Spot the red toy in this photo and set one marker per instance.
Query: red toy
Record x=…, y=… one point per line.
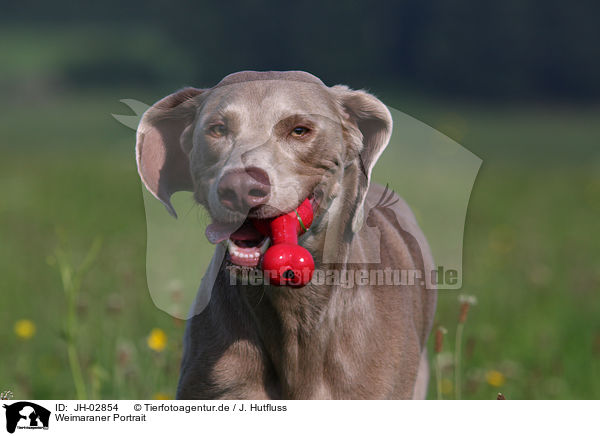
x=286, y=263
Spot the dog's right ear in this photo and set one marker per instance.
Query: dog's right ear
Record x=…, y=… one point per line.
x=164, y=141
x=371, y=123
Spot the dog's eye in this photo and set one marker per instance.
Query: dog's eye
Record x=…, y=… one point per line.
x=299, y=131
x=217, y=130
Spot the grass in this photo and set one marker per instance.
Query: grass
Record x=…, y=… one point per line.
x=71, y=278
x=531, y=253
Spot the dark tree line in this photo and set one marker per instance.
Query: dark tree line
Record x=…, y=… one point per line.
x=503, y=49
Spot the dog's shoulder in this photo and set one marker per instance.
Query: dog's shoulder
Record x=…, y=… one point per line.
x=402, y=245
x=390, y=216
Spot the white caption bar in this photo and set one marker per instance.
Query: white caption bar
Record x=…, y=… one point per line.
x=284, y=418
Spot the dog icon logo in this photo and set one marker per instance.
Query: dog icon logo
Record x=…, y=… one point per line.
x=26, y=415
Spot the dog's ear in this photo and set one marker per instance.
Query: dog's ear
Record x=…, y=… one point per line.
x=164, y=141
x=370, y=124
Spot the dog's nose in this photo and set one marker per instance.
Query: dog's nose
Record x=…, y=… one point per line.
x=245, y=188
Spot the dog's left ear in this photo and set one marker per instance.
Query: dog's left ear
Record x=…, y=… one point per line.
x=371, y=124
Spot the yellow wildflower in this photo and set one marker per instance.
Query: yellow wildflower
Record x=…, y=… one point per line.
x=24, y=329
x=495, y=378
x=157, y=340
x=161, y=396
x=447, y=386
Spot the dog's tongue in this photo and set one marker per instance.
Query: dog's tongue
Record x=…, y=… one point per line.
x=217, y=232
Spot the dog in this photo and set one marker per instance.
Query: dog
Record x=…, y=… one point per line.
x=253, y=147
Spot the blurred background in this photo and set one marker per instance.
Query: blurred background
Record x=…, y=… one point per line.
x=515, y=82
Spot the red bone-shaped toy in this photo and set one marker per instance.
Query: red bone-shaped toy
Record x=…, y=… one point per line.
x=286, y=263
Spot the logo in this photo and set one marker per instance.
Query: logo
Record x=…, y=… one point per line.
x=26, y=415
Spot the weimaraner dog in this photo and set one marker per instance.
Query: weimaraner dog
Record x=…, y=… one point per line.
x=255, y=146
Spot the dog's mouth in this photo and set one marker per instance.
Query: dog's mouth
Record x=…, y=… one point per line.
x=245, y=243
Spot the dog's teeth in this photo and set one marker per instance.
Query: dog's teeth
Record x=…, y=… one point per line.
x=247, y=253
x=230, y=246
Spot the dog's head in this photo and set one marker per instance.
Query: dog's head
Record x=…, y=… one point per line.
x=259, y=143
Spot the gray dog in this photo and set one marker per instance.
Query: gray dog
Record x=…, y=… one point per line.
x=255, y=146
